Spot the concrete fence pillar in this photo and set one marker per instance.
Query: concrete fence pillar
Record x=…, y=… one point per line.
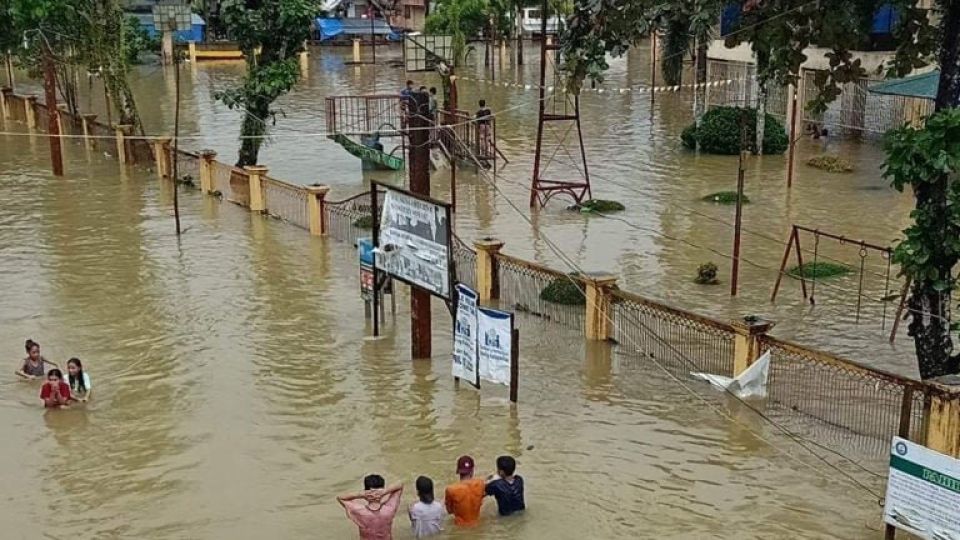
x=305, y=59
x=356, y=51
x=488, y=279
x=30, y=111
x=599, y=313
x=207, y=159
x=255, y=174
x=122, y=131
x=160, y=157
x=315, y=199
x=746, y=342
x=5, y=94
x=192, y=48
x=62, y=110
x=943, y=424
x=87, y=121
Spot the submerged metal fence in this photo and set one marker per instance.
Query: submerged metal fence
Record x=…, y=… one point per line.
x=833, y=401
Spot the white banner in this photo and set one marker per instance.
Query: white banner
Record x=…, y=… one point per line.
x=494, y=336
x=923, y=491
x=465, y=336
x=414, y=239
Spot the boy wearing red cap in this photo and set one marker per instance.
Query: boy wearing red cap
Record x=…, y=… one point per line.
x=464, y=499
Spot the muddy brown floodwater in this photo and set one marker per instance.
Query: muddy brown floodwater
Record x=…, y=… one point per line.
x=236, y=394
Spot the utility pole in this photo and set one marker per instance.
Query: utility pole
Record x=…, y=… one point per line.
x=53, y=113
x=735, y=277
x=418, y=107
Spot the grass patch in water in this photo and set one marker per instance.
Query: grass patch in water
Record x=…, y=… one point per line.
x=563, y=291
x=599, y=205
x=819, y=270
x=725, y=197
x=830, y=163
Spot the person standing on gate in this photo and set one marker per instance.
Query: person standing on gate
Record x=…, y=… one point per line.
x=483, y=116
x=464, y=499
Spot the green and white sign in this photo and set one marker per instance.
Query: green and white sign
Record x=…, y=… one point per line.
x=923, y=492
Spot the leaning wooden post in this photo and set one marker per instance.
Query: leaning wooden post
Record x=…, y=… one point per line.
x=207, y=163
x=30, y=112
x=488, y=279
x=746, y=342
x=943, y=424
x=315, y=199
x=5, y=94
x=122, y=131
x=255, y=173
x=599, y=311
x=87, y=120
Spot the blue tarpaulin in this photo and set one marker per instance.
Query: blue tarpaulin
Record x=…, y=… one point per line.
x=331, y=28
x=195, y=33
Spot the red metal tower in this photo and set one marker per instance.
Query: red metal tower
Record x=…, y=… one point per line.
x=556, y=170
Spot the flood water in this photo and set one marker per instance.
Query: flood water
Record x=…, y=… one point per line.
x=236, y=394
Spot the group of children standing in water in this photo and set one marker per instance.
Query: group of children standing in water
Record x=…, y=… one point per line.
x=374, y=508
x=57, y=391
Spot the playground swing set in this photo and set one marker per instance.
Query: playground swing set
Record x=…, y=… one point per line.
x=793, y=246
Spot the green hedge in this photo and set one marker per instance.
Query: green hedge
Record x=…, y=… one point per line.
x=819, y=270
x=724, y=197
x=719, y=132
x=563, y=291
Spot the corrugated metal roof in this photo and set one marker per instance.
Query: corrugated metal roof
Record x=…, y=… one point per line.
x=918, y=86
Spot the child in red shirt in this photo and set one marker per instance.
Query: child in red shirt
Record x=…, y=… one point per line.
x=55, y=393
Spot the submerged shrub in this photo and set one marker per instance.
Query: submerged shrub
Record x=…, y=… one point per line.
x=725, y=197
x=719, y=132
x=819, y=270
x=829, y=163
x=563, y=291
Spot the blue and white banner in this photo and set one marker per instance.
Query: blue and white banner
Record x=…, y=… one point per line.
x=494, y=337
x=465, y=335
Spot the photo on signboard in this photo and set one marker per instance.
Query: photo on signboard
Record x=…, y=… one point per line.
x=416, y=234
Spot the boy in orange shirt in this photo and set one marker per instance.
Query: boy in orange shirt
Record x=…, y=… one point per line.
x=464, y=499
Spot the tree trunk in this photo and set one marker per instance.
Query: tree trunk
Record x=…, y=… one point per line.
x=930, y=309
x=519, y=36
x=761, y=117
x=700, y=92
x=253, y=129
x=53, y=114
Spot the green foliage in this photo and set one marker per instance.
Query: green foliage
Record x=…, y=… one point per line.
x=719, y=132
x=364, y=222
x=137, y=41
x=278, y=28
x=829, y=163
x=564, y=291
x=928, y=160
x=602, y=206
x=707, y=274
x=462, y=19
x=819, y=270
x=724, y=197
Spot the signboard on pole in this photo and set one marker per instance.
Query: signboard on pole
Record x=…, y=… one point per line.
x=365, y=251
x=923, y=491
x=494, y=344
x=414, y=239
x=465, y=336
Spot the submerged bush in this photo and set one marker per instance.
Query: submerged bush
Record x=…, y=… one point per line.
x=563, y=291
x=719, y=132
x=725, y=197
x=599, y=205
x=834, y=164
x=363, y=222
x=707, y=274
x=819, y=270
